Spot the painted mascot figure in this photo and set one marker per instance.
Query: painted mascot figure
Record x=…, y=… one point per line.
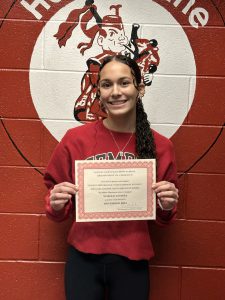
x=110, y=35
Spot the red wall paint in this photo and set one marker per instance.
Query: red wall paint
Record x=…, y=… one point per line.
x=189, y=261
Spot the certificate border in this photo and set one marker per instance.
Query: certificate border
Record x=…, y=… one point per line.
x=82, y=216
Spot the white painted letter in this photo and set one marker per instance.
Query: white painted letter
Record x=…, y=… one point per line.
x=32, y=7
x=177, y=2
x=188, y=6
x=202, y=17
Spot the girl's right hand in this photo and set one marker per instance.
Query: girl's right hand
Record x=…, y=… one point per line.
x=61, y=194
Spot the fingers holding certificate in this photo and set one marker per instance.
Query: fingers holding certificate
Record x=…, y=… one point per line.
x=115, y=190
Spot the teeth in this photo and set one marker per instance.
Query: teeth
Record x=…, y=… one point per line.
x=117, y=102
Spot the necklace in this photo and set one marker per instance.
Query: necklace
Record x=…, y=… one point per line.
x=128, y=141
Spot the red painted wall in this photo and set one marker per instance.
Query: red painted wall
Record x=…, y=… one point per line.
x=189, y=261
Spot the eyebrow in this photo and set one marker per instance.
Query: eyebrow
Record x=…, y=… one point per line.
x=121, y=78
x=111, y=29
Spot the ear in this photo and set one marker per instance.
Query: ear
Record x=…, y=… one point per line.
x=100, y=40
x=141, y=89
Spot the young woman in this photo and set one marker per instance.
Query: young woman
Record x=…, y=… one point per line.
x=111, y=255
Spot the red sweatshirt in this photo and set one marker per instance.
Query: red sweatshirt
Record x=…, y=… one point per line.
x=94, y=141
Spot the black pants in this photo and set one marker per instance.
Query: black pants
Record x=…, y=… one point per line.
x=91, y=277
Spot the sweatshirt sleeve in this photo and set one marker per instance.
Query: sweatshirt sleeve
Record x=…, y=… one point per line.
x=166, y=171
x=59, y=170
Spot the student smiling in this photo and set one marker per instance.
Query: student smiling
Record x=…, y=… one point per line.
x=111, y=255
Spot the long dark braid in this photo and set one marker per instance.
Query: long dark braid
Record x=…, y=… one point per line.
x=145, y=145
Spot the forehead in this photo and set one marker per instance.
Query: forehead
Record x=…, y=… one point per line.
x=113, y=29
x=115, y=70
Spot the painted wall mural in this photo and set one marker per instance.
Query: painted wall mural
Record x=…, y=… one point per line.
x=70, y=38
x=50, y=53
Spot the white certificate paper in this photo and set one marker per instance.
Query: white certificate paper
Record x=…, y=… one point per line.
x=115, y=190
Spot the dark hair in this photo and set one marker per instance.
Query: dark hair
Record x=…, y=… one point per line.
x=145, y=145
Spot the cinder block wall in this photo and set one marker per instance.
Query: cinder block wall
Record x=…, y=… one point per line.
x=189, y=261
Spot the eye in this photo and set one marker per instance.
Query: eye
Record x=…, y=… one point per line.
x=105, y=85
x=125, y=83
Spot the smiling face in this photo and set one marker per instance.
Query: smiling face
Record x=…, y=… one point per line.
x=114, y=40
x=118, y=91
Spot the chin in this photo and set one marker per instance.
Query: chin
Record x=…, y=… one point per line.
x=120, y=113
x=119, y=49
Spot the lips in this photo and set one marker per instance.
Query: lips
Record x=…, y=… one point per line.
x=117, y=102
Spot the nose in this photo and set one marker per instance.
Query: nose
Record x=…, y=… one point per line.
x=121, y=37
x=116, y=91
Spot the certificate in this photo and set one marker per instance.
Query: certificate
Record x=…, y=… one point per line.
x=115, y=190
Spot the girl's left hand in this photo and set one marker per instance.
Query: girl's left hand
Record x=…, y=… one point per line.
x=167, y=194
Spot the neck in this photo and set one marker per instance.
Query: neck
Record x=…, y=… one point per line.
x=119, y=125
